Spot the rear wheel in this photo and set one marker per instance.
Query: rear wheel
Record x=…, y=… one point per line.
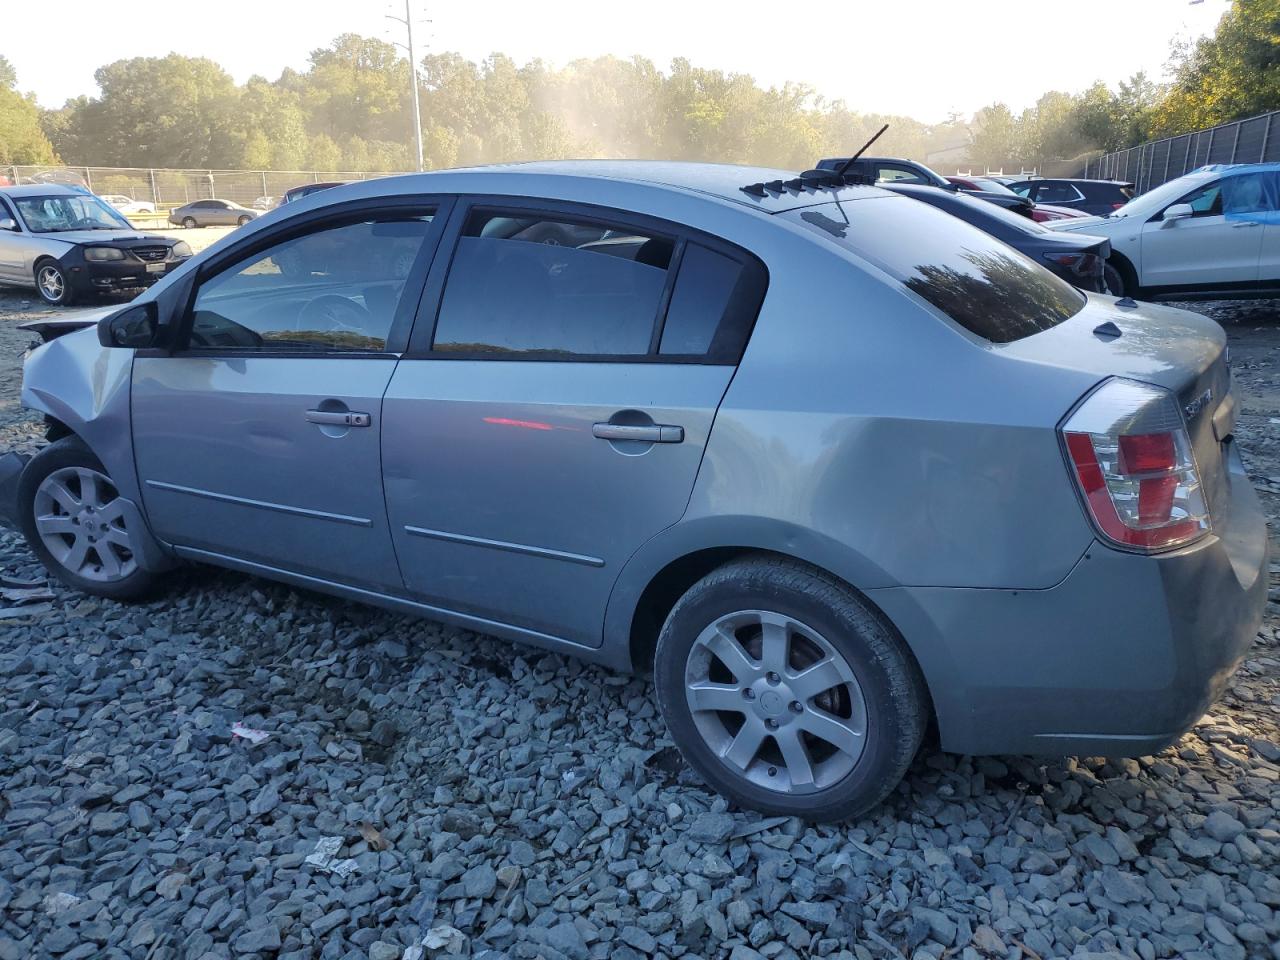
x=1113, y=281
x=189, y=222
x=72, y=517
x=787, y=693
x=52, y=285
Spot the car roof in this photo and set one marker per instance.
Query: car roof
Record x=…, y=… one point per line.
x=722, y=181
x=44, y=190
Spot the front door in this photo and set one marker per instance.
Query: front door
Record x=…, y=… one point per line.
x=13, y=244
x=258, y=439
x=1209, y=247
x=557, y=419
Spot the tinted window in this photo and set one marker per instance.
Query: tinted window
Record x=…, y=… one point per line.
x=897, y=174
x=1021, y=189
x=527, y=284
x=1207, y=201
x=986, y=287
x=710, y=297
x=331, y=290
x=1057, y=193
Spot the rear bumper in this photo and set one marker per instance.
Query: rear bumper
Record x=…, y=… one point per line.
x=1119, y=659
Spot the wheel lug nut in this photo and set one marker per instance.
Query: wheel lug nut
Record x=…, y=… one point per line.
x=771, y=724
x=773, y=678
x=797, y=706
x=748, y=693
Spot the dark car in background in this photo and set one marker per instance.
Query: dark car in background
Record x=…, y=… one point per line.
x=297, y=193
x=890, y=170
x=1096, y=197
x=988, y=187
x=213, y=213
x=1078, y=263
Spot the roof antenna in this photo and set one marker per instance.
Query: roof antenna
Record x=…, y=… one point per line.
x=844, y=167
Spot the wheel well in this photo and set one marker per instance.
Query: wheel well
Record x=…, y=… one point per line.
x=55, y=429
x=670, y=584
x=1126, y=270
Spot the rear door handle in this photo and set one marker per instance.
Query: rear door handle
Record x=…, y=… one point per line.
x=647, y=433
x=340, y=418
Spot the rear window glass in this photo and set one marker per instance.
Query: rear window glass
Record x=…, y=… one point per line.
x=985, y=286
x=703, y=304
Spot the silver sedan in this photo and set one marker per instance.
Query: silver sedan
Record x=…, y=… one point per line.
x=832, y=464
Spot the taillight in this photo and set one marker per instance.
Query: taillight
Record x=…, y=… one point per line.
x=1082, y=264
x=1131, y=457
x=1116, y=206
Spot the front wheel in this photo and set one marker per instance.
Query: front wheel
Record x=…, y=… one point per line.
x=243, y=220
x=72, y=517
x=52, y=285
x=787, y=693
x=189, y=222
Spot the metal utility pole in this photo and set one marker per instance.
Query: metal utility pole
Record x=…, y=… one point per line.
x=413, y=79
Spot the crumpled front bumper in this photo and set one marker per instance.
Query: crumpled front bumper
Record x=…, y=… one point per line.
x=11, y=466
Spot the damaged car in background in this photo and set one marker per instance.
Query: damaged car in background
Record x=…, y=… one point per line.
x=70, y=244
x=835, y=466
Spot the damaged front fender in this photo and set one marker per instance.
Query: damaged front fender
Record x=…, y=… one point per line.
x=85, y=386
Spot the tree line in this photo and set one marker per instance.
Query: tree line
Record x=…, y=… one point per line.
x=350, y=108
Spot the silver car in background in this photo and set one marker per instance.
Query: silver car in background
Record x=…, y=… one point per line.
x=834, y=465
x=70, y=244
x=212, y=213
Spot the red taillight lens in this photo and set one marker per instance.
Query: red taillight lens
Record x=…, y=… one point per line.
x=1116, y=206
x=1131, y=456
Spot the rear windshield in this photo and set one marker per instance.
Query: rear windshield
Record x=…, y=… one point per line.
x=985, y=286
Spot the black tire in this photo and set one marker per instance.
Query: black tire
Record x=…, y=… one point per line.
x=70, y=452
x=52, y=267
x=1113, y=281
x=891, y=686
x=189, y=223
x=243, y=220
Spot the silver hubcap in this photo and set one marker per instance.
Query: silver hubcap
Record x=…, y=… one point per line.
x=51, y=284
x=81, y=523
x=776, y=702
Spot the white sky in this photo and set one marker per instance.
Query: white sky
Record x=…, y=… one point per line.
x=923, y=58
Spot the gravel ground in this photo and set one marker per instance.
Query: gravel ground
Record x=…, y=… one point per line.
x=422, y=791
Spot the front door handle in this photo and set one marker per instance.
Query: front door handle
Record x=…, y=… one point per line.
x=339, y=418
x=1237, y=224
x=646, y=433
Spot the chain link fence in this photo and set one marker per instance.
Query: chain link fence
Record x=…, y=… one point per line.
x=1255, y=140
x=173, y=188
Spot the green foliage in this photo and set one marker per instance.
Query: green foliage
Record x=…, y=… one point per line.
x=22, y=140
x=351, y=109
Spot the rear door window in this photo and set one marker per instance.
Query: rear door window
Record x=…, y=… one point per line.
x=537, y=286
x=1052, y=193
x=983, y=285
x=529, y=285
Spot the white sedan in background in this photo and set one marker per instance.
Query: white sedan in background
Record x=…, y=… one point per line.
x=1214, y=232
x=128, y=205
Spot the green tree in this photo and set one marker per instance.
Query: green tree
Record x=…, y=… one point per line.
x=1229, y=76
x=22, y=139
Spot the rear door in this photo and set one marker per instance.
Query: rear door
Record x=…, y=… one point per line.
x=1217, y=244
x=258, y=438
x=553, y=416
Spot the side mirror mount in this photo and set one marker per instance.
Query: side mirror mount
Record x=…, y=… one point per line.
x=8, y=223
x=1179, y=211
x=136, y=326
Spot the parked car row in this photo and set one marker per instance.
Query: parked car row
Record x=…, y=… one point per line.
x=835, y=465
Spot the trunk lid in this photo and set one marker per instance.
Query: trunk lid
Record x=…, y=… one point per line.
x=1176, y=349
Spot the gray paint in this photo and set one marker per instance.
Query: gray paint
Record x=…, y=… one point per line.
x=863, y=432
